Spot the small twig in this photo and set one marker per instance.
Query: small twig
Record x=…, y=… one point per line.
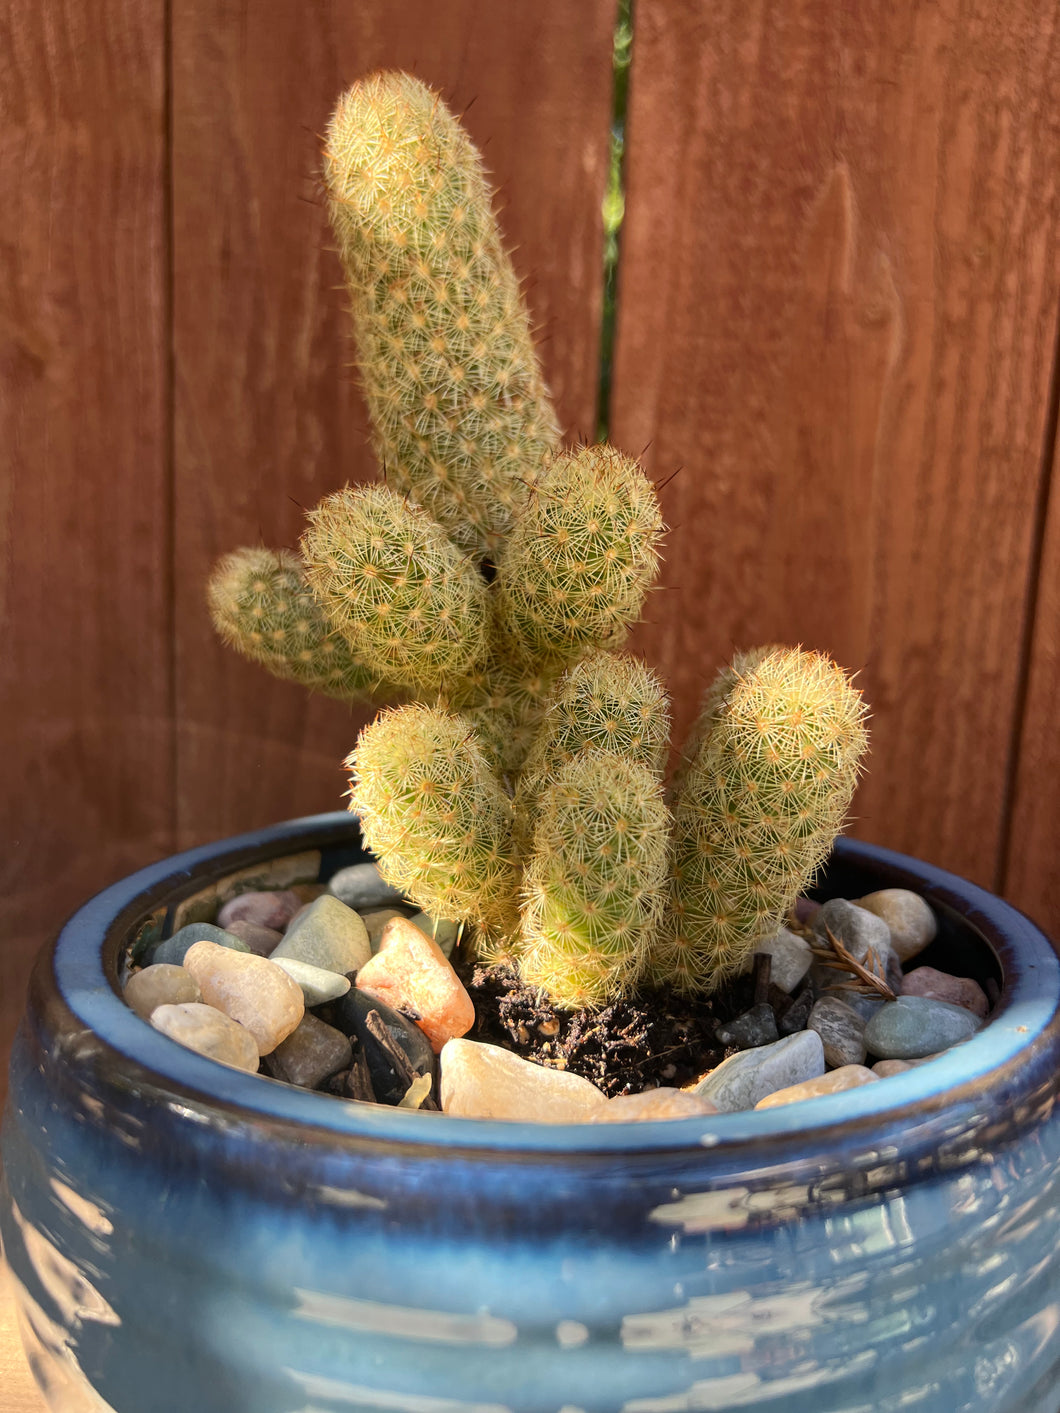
x=839, y=959
x=763, y=965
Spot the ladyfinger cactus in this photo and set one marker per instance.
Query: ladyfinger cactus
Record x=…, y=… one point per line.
x=396, y=588
x=596, y=884
x=759, y=809
x=460, y=415
x=434, y=814
x=580, y=558
x=607, y=702
x=262, y=606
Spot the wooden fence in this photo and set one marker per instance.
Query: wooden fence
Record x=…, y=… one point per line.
x=837, y=315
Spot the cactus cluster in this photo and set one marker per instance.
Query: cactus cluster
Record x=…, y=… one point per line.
x=488, y=587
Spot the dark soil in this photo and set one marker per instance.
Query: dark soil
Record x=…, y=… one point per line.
x=654, y=1039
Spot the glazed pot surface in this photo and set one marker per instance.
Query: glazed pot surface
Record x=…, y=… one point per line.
x=187, y=1237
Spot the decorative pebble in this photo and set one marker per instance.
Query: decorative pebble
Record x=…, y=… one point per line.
x=940, y=986
x=160, y=985
x=842, y=1032
x=805, y=908
x=262, y=941
x=865, y=1004
x=884, y=1069
x=361, y=886
x=312, y=1053
x=791, y=956
x=174, y=949
x=755, y=1027
x=858, y=930
x=327, y=934
x=318, y=986
x=835, y=1082
x=411, y=973
x=652, y=1104
x=374, y=923
x=249, y=989
x=798, y=1013
x=914, y=1026
x=443, y=930
x=909, y=918
x=740, y=1081
x=486, y=1082
x=388, y=1077
x=273, y=910
x=209, y=1032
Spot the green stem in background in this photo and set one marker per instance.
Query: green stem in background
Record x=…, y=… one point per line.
x=614, y=208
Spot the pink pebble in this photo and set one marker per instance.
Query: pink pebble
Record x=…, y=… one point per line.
x=940, y=986
x=273, y=910
x=262, y=941
x=805, y=908
x=411, y=973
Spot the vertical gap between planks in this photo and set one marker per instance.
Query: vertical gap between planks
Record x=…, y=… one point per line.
x=169, y=532
x=1049, y=470
x=614, y=208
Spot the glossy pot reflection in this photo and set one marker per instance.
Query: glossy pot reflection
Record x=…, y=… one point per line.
x=190, y=1239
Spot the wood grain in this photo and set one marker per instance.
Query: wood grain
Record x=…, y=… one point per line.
x=1031, y=876
x=268, y=419
x=837, y=314
x=84, y=550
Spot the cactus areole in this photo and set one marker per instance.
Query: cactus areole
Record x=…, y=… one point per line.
x=514, y=779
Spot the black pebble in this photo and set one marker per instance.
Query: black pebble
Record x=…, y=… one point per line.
x=350, y=1015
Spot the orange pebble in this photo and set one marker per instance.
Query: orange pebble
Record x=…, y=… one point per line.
x=411, y=973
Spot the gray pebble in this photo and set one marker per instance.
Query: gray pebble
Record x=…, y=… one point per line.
x=910, y=920
x=318, y=986
x=791, y=958
x=160, y=985
x=174, y=949
x=798, y=1013
x=755, y=1027
x=858, y=930
x=914, y=1026
x=842, y=1032
x=310, y=1055
x=327, y=934
x=743, y=1079
x=361, y=886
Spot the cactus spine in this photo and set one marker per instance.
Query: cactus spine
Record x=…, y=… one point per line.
x=460, y=415
x=395, y=587
x=435, y=815
x=595, y=887
x=759, y=809
x=262, y=606
x=581, y=556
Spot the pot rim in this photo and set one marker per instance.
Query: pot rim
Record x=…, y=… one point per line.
x=73, y=974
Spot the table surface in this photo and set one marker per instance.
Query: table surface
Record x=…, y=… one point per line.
x=18, y=1392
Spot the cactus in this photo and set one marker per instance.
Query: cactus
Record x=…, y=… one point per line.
x=596, y=884
x=580, y=558
x=762, y=802
x=395, y=587
x=461, y=419
x=262, y=606
x=494, y=579
x=605, y=702
x=434, y=814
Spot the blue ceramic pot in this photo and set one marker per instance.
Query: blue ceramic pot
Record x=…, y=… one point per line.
x=186, y=1238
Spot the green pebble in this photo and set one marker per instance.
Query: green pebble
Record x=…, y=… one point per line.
x=174, y=949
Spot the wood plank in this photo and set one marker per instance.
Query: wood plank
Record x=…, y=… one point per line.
x=268, y=419
x=1031, y=876
x=84, y=559
x=837, y=312
x=21, y=1394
